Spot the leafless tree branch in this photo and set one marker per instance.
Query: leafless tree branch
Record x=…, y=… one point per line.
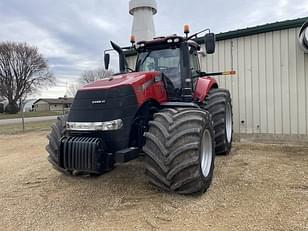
x=23, y=70
x=88, y=77
x=93, y=75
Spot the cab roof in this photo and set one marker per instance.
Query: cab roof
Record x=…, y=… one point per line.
x=165, y=41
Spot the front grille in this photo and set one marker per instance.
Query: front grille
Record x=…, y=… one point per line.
x=82, y=154
x=119, y=103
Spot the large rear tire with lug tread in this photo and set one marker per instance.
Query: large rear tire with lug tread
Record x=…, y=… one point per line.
x=180, y=150
x=57, y=132
x=218, y=104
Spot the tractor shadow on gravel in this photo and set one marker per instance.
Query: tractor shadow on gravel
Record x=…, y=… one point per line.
x=126, y=181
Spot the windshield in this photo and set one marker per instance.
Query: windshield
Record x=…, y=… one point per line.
x=166, y=61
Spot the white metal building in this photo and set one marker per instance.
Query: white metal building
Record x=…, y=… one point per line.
x=270, y=89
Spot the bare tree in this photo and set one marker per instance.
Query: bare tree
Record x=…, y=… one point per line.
x=72, y=89
x=23, y=70
x=87, y=77
x=92, y=75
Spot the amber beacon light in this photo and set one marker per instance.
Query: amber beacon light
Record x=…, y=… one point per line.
x=186, y=29
x=132, y=39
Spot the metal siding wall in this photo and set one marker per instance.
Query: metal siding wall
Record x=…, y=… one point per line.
x=293, y=82
x=301, y=91
x=255, y=84
x=235, y=86
x=270, y=90
x=306, y=83
x=262, y=84
x=285, y=90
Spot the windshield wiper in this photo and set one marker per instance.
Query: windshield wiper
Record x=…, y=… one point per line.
x=141, y=61
x=146, y=57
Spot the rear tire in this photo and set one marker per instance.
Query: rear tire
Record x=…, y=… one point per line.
x=180, y=150
x=218, y=104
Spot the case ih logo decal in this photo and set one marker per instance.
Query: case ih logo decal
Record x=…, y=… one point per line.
x=98, y=101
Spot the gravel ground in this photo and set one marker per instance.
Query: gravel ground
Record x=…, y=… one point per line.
x=257, y=187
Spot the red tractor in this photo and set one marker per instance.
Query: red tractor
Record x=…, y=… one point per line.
x=167, y=107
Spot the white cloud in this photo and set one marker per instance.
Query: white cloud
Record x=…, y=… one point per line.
x=53, y=92
x=73, y=34
x=101, y=23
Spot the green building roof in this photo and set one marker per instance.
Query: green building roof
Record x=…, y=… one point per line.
x=282, y=25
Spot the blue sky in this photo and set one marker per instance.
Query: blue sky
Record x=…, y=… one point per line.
x=72, y=34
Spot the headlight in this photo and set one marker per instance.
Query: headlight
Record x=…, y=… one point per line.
x=95, y=126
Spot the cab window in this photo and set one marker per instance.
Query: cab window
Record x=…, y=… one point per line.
x=194, y=62
x=166, y=61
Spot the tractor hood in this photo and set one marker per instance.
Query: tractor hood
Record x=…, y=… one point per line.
x=133, y=79
x=116, y=98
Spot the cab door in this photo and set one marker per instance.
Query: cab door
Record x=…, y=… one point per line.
x=194, y=65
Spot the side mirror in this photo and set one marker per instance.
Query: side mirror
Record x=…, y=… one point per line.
x=106, y=60
x=209, y=40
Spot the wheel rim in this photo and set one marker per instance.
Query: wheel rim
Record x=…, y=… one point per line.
x=229, y=122
x=206, y=152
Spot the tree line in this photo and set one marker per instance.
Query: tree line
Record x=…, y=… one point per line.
x=24, y=71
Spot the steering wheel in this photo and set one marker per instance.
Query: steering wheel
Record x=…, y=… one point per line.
x=168, y=82
x=171, y=90
x=129, y=69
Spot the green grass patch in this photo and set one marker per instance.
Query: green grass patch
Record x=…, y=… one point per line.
x=29, y=114
x=31, y=126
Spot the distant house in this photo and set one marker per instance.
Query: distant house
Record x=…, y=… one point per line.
x=56, y=104
x=28, y=105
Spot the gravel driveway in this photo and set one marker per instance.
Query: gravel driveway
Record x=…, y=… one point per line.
x=257, y=187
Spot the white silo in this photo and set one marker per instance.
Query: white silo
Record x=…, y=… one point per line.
x=143, y=25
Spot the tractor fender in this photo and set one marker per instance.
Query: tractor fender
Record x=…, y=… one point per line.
x=179, y=104
x=147, y=106
x=203, y=86
x=141, y=120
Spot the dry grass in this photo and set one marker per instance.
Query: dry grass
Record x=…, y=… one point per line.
x=29, y=127
x=29, y=114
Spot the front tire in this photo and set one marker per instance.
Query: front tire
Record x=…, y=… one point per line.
x=180, y=150
x=58, y=130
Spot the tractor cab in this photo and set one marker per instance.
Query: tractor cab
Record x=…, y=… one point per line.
x=168, y=55
x=175, y=57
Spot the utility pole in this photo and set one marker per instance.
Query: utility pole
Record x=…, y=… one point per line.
x=22, y=106
x=22, y=116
